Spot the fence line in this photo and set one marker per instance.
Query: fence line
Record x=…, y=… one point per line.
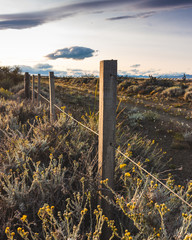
x=131, y=160
x=68, y=115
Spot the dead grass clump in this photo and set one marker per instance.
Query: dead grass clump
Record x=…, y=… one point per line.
x=147, y=90
x=124, y=85
x=189, y=89
x=173, y=92
x=188, y=96
x=134, y=89
x=158, y=82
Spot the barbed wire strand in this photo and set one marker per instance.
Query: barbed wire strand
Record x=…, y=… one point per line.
x=144, y=170
x=75, y=120
x=131, y=160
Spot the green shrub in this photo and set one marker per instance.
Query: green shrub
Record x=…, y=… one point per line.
x=10, y=77
x=5, y=93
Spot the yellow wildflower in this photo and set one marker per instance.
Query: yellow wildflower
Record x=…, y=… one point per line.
x=122, y=165
x=23, y=219
x=127, y=174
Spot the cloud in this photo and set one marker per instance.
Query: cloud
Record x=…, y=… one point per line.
x=166, y=4
x=77, y=53
x=139, y=15
x=81, y=72
x=132, y=4
x=43, y=66
x=42, y=69
x=32, y=19
x=135, y=71
x=136, y=65
x=76, y=72
x=139, y=73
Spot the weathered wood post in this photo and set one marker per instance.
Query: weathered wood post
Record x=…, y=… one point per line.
x=52, y=96
x=27, y=85
x=38, y=88
x=33, y=88
x=107, y=122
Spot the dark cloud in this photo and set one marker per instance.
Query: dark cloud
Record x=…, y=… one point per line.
x=76, y=52
x=165, y=4
x=28, y=20
x=136, y=65
x=139, y=15
x=32, y=19
x=19, y=24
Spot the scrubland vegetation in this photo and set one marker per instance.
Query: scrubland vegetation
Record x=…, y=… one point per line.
x=49, y=186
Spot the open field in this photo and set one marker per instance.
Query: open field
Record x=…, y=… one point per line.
x=49, y=185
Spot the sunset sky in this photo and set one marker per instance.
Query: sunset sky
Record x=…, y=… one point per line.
x=71, y=37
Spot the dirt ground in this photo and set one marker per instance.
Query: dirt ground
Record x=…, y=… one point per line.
x=168, y=132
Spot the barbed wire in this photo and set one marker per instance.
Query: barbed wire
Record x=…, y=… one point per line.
x=43, y=97
x=151, y=175
x=75, y=120
x=131, y=160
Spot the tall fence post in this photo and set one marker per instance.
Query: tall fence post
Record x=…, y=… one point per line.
x=27, y=85
x=38, y=88
x=107, y=122
x=52, y=96
x=33, y=88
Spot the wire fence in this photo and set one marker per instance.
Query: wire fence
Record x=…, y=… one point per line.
x=120, y=152
x=75, y=120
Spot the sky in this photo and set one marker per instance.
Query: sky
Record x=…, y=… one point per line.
x=71, y=37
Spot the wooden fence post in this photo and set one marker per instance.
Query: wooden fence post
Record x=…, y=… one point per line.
x=38, y=88
x=33, y=88
x=107, y=122
x=27, y=85
x=52, y=96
